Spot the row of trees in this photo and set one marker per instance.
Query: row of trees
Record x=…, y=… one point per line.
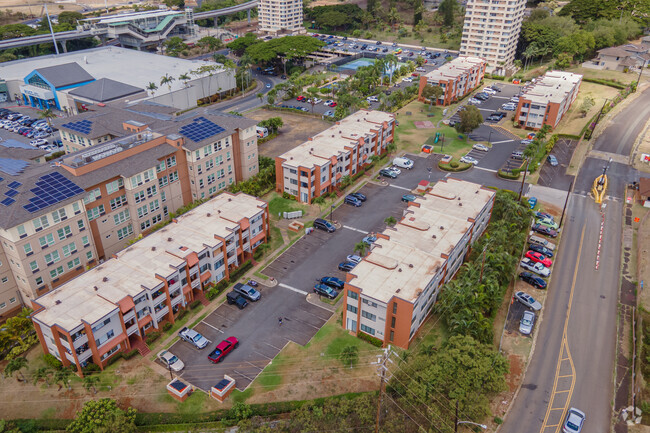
x=175, y=46
x=259, y=184
x=17, y=335
x=273, y=124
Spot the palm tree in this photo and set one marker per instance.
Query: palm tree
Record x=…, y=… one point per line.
x=167, y=80
x=63, y=377
x=91, y=381
x=47, y=114
x=361, y=248
x=197, y=73
x=15, y=365
x=261, y=96
x=43, y=374
x=390, y=61
x=151, y=87
x=185, y=78
x=390, y=221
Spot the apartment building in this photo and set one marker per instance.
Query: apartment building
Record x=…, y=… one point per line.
x=113, y=306
x=457, y=78
x=547, y=100
x=491, y=30
x=280, y=17
x=317, y=166
x=391, y=291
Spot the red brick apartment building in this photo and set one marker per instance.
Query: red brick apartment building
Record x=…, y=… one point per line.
x=457, y=78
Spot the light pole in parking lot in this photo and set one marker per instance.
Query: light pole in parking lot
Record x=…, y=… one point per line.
x=490, y=138
x=442, y=143
x=331, y=212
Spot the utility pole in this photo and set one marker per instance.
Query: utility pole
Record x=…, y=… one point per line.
x=521, y=190
x=456, y=420
x=382, y=369
x=565, y=203
x=599, y=114
x=49, y=22
x=171, y=375
x=640, y=70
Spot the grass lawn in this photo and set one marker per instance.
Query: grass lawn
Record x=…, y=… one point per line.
x=430, y=39
x=278, y=204
x=573, y=121
x=453, y=145
x=621, y=77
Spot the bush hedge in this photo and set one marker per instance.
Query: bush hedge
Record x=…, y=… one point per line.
x=130, y=354
x=150, y=338
x=248, y=265
x=610, y=83
x=506, y=175
x=167, y=326
x=370, y=339
x=194, y=304
x=52, y=362
x=453, y=166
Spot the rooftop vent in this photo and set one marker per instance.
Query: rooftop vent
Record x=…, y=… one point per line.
x=105, y=279
x=459, y=198
x=169, y=239
x=410, y=265
x=229, y=199
x=399, y=270
x=208, y=215
x=460, y=204
x=153, y=248
x=442, y=227
x=57, y=302
x=476, y=192
x=398, y=290
x=434, y=236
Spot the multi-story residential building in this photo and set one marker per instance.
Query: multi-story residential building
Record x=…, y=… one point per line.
x=280, y=16
x=491, y=31
x=391, y=291
x=547, y=100
x=457, y=78
x=113, y=306
x=110, y=193
x=317, y=166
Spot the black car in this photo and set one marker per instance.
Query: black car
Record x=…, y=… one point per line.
x=327, y=291
x=388, y=173
x=544, y=230
x=346, y=266
x=533, y=280
x=481, y=97
x=385, y=50
x=334, y=282
x=364, y=46
x=235, y=298
x=345, y=38
x=352, y=200
x=378, y=43
x=358, y=195
x=540, y=249
x=321, y=224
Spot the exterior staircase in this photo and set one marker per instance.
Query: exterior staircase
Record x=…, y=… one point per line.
x=142, y=347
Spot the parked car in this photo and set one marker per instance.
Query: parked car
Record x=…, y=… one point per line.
x=358, y=195
x=407, y=80
x=395, y=170
x=544, y=215
x=547, y=222
x=469, y=160
x=526, y=322
x=247, y=292
x=537, y=268
x=353, y=258
x=329, y=113
x=540, y=249
x=333, y=282
x=528, y=301
x=532, y=202
x=170, y=360
x=482, y=147
x=388, y=173
x=324, y=290
x=372, y=99
x=346, y=266
x=316, y=101
x=574, y=420
x=369, y=240
x=300, y=98
x=517, y=155
x=37, y=142
x=352, y=200
x=222, y=349
x=408, y=197
x=552, y=160
x=403, y=162
x=193, y=337
x=531, y=279
x=539, y=258
x=489, y=91
x=541, y=241
x=321, y=224
x=235, y=298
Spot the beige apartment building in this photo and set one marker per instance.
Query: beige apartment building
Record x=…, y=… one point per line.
x=280, y=17
x=100, y=198
x=391, y=291
x=110, y=308
x=317, y=166
x=491, y=30
x=457, y=78
x=547, y=100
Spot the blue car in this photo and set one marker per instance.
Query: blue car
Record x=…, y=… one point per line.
x=369, y=240
x=346, y=266
x=324, y=290
x=350, y=199
x=334, y=282
x=541, y=249
x=358, y=196
x=532, y=202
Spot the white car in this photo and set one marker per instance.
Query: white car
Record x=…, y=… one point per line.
x=474, y=101
x=509, y=107
x=469, y=160
x=38, y=142
x=407, y=79
x=372, y=99
x=537, y=268
x=526, y=323
x=316, y=100
x=395, y=170
x=329, y=102
x=420, y=69
x=479, y=146
x=170, y=360
x=354, y=259
x=489, y=91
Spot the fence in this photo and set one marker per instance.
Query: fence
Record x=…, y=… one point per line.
x=292, y=215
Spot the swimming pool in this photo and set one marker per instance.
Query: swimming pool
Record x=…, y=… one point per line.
x=364, y=61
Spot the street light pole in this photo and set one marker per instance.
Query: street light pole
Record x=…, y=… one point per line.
x=640, y=70
x=490, y=138
x=331, y=212
x=565, y=203
x=521, y=189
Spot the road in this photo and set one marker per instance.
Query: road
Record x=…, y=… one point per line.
x=573, y=363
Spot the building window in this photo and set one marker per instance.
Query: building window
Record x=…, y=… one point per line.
x=118, y=202
x=28, y=248
x=81, y=225
x=64, y=232
x=394, y=307
x=121, y=217
x=124, y=232
x=392, y=335
x=52, y=257
x=367, y=329
x=95, y=212
x=84, y=241
x=21, y=230
x=58, y=215
x=74, y=263
x=33, y=266
x=353, y=295
x=41, y=223
x=56, y=272
x=352, y=309
x=89, y=255
x=369, y=316
x=46, y=241
x=392, y=322
x=114, y=186
x=92, y=196
x=69, y=249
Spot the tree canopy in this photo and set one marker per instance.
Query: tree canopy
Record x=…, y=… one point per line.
x=103, y=416
x=470, y=119
x=288, y=47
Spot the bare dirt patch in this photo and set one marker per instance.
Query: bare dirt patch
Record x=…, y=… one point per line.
x=296, y=130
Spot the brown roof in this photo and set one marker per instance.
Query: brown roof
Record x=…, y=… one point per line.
x=644, y=187
x=614, y=52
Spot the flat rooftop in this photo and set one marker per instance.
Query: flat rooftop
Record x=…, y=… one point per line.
x=455, y=68
x=96, y=293
x=111, y=62
x=418, y=245
x=554, y=86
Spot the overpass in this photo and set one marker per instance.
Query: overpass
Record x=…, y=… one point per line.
x=128, y=30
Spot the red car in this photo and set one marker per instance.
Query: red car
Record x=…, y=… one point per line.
x=222, y=349
x=333, y=104
x=301, y=98
x=539, y=258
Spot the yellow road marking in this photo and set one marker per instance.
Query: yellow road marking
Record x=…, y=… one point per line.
x=564, y=346
x=566, y=375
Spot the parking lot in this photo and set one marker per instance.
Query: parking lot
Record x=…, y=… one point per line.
x=555, y=177
x=33, y=113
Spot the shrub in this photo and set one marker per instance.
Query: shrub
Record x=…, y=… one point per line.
x=151, y=337
x=610, y=83
x=453, y=164
x=241, y=270
x=91, y=368
x=181, y=314
x=195, y=304
x=497, y=420
x=51, y=361
x=506, y=175
x=370, y=339
x=167, y=326
x=130, y=354
x=212, y=293
x=114, y=358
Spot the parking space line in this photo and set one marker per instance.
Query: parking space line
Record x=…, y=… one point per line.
x=213, y=327
x=399, y=187
x=487, y=109
x=365, y=232
x=305, y=323
x=256, y=366
x=269, y=344
x=239, y=372
x=485, y=169
x=302, y=292
x=263, y=355
x=502, y=141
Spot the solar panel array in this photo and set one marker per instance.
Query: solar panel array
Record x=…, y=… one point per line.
x=200, y=129
x=51, y=189
x=8, y=201
x=12, y=167
x=15, y=144
x=15, y=184
x=82, y=126
x=11, y=193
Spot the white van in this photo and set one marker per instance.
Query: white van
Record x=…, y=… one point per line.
x=402, y=162
x=541, y=241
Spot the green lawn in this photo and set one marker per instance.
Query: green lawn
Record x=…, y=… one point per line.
x=278, y=204
x=453, y=145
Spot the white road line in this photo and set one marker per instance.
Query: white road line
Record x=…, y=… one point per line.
x=262, y=355
x=256, y=366
x=213, y=327
x=240, y=373
x=399, y=187
x=365, y=232
x=302, y=292
x=485, y=169
x=269, y=344
x=502, y=141
x=501, y=97
x=487, y=109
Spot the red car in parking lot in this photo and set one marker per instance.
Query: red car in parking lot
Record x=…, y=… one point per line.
x=222, y=349
x=301, y=98
x=539, y=258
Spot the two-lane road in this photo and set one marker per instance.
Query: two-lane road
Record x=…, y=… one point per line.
x=573, y=363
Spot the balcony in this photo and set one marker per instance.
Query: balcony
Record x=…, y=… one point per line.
x=81, y=349
x=84, y=355
x=129, y=316
x=155, y=295
x=80, y=340
x=130, y=330
x=196, y=283
x=160, y=313
x=177, y=300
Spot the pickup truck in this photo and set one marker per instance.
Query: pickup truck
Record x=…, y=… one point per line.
x=193, y=337
x=247, y=292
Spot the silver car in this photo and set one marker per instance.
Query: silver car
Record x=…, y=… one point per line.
x=526, y=323
x=170, y=360
x=574, y=420
x=537, y=268
x=469, y=160
x=528, y=301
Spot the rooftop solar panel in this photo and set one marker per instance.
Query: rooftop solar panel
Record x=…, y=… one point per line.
x=14, y=184
x=82, y=126
x=200, y=129
x=11, y=143
x=12, y=167
x=11, y=193
x=51, y=189
x=7, y=201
